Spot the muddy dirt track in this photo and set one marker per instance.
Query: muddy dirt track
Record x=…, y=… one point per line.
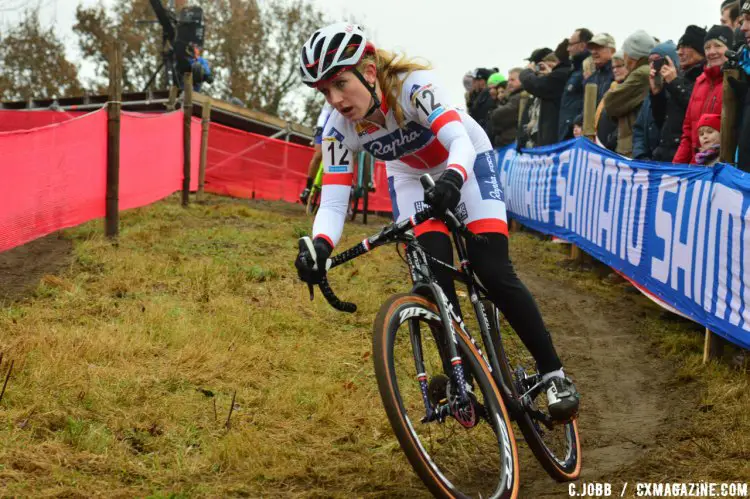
x=21, y=268
x=628, y=399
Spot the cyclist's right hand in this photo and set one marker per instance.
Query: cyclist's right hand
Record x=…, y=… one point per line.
x=312, y=261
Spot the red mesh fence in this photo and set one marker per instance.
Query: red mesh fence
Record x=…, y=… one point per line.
x=52, y=177
x=26, y=120
x=246, y=165
x=151, y=157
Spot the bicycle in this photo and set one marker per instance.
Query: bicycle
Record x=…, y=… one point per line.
x=313, y=198
x=446, y=401
x=361, y=189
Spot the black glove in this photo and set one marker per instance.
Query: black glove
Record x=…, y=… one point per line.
x=312, y=261
x=447, y=192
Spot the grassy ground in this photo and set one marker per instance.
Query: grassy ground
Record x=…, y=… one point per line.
x=126, y=364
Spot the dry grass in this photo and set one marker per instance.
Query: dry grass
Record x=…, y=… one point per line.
x=126, y=363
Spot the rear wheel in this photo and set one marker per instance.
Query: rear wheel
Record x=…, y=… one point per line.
x=457, y=449
x=557, y=446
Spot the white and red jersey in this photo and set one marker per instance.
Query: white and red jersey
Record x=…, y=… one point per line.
x=433, y=137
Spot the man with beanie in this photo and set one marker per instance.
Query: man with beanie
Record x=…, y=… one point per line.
x=602, y=48
x=707, y=93
x=690, y=49
x=624, y=102
x=571, y=104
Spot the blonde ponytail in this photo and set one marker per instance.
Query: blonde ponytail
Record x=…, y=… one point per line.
x=390, y=66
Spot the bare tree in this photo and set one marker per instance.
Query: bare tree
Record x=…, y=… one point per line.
x=34, y=63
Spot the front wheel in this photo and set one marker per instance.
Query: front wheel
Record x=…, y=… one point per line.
x=458, y=449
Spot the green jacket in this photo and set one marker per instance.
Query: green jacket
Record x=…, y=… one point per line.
x=624, y=102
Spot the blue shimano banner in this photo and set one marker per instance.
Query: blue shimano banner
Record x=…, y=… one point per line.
x=681, y=232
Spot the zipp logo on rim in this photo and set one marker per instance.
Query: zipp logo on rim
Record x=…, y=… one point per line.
x=412, y=312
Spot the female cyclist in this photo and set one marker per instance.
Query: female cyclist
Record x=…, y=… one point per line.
x=393, y=108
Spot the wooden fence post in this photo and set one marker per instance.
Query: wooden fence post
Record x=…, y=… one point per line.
x=205, y=122
x=187, y=109
x=713, y=346
x=172, y=104
x=114, y=107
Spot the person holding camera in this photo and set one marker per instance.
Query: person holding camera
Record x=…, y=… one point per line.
x=707, y=96
x=546, y=81
x=671, y=81
x=647, y=131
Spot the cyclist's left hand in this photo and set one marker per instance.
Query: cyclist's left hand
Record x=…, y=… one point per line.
x=312, y=261
x=447, y=192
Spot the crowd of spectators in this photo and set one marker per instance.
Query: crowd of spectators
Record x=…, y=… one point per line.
x=656, y=100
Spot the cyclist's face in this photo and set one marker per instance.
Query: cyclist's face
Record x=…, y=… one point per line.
x=347, y=95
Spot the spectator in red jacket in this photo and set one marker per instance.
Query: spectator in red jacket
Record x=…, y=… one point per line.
x=707, y=93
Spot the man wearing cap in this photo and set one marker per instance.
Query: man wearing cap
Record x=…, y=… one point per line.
x=672, y=87
x=602, y=48
x=624, y=102
x=478, y=85
x=483, y=103
x=571, y=104
x=546, y=81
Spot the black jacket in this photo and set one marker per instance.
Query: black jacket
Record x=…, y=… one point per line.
x=668, y=108
x=742, y=91
x=571, y=104
x=549, y=89
x=504, y=121
x=481, y=107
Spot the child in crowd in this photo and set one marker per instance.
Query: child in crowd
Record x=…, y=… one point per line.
x=709, y=137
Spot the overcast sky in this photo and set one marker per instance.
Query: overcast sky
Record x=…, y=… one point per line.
x=457, y=36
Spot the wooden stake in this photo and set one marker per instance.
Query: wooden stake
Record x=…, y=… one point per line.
x=205, y=122
x=114, y=108
x=228, y=424
x=589, y=111
x=7, y=377
x=172, y=104
x=728, y=119
x=187, y=109
x=713, y=346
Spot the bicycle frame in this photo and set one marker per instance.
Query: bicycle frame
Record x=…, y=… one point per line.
x=425, y=283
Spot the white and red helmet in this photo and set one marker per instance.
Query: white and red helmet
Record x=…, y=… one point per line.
x=332, y=50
